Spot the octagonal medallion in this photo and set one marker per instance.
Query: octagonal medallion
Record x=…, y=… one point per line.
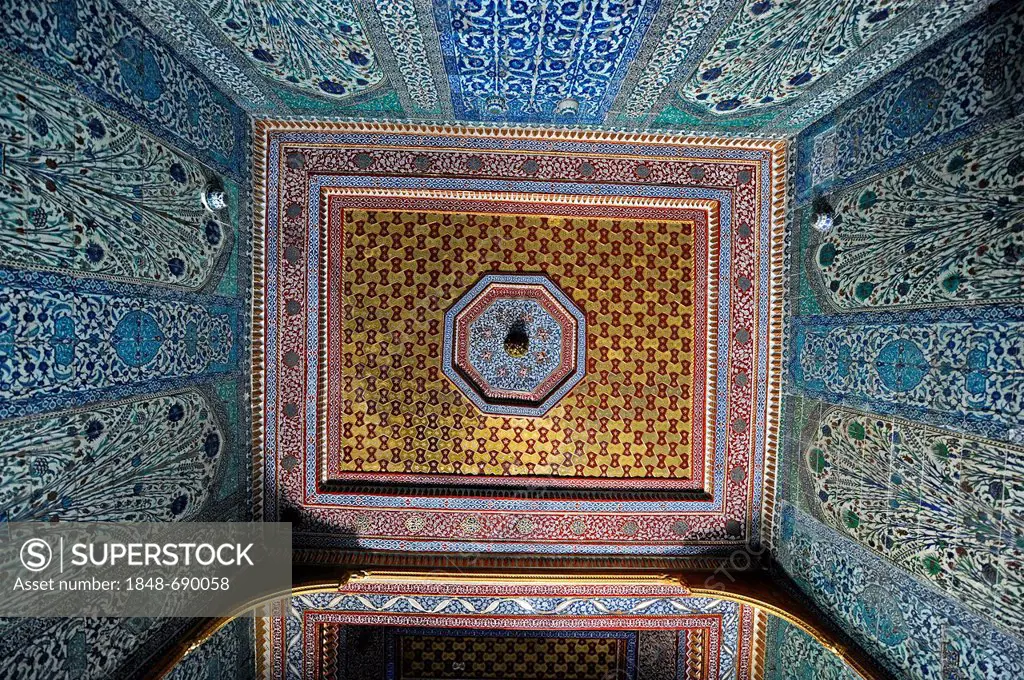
x=514, y=344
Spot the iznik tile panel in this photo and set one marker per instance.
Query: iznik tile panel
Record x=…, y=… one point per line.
x=318, y=48
x=794, y=655
x=55, y=343
x=85, y=193
x=538, y=60
x=113, y=59
x=955, y=89
x=942, y=506
x=772, y=51
x=148, y=459
x=961, y=369
x=945, y=230
x=916, y=632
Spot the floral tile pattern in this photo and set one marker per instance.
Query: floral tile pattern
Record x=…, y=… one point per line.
x=960, y=368
x=172, y=443
x=915, y=631
x=228, y=654
x=88, y=194
x=794, y=655
x=311, y=46
x=908, y=238
x=955, y=89
x=124, y=67
x=903, y=431
x=53, y=343
x=122, y=328
x=938, y=504
x=538, y=60
x=779, y=35
x=714, y=65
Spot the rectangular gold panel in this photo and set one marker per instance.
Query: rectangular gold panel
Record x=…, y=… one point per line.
x=632, y=415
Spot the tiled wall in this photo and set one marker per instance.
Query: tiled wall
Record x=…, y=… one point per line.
x=712, y=65
x=912, y=629
x=123, y=321
x=225, y=655
x=794, y=655
x=905, y=410
x=96, y=48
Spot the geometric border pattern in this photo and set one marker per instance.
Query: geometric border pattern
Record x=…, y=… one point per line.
x=563, y=377
x=702, y=215
x=290, y=641
x=739, y=182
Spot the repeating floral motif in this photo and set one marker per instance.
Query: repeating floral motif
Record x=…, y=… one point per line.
x=794, y=655
x=316, y=47
x=560, y=60
x=943, y=506
x=151, y=459
x=793, y=44
x=114, y=60
x=823, y=163
x=404, y=34
x=228, y=654
x=82, y=648
x=955, y=89
x=931, y=24
x=176, y=22
x=155, y=458
x=53, y=342
x=103, y=233
x=538, y=60
x=964, y=373
x=85, y=193
x=293, y=56
x=674, y=47
x=916, y=632
x=147, y=460
x=916, y=363
x=909, y=238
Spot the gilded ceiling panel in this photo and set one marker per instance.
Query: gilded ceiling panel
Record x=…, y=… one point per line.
x=668, y=252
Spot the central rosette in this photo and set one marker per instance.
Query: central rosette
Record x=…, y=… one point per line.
x=514, y=344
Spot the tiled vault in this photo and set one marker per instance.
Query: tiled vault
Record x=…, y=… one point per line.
x=713, y=369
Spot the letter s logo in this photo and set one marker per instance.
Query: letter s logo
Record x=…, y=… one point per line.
x=36, y=554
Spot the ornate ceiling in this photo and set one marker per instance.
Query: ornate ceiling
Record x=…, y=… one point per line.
x=649, y=266
x=476, y=349
x=543, y=632
x=458, y=628
x=479, y=345
x=693, y=64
